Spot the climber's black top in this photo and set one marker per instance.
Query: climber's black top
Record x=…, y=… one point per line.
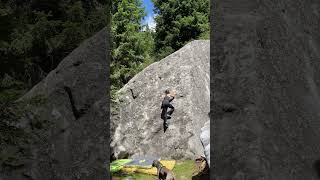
x=166, y=100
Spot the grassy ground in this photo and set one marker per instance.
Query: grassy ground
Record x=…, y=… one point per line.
x=182, y=171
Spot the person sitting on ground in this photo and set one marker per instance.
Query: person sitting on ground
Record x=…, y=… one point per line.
x=167, y=98
x=163, y=172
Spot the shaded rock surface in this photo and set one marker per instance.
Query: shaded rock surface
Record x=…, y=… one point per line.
x=74, y=105
x=265, y=83
x=137, y=128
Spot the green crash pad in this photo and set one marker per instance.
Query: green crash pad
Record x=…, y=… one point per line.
x=142, y=162
x=117, y=165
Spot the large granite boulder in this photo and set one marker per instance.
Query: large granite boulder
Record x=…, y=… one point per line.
x=265, y=83
x=67, y=119
x=137, y=128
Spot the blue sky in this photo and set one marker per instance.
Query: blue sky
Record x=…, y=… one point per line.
x=149, y=19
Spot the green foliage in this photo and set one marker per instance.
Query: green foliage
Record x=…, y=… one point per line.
x=179, y=22
x=36, y=35
x=8, y=95
x=205, y=36
x=10, y=89
x=132, y=47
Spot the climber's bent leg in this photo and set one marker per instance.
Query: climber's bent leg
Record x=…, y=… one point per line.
x=171, y=110
x=164, y=113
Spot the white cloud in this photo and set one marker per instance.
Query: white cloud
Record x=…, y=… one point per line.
x=151, y=22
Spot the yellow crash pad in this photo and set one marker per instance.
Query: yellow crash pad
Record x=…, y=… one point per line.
x=153, y=171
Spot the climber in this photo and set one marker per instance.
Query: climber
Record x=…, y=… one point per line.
x=167, y=98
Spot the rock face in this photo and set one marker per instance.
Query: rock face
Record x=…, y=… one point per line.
x=265, y=83
x=205, y=139
x=74, y=104
x=137, y=128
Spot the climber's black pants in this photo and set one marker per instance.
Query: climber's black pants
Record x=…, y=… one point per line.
x=165, y=111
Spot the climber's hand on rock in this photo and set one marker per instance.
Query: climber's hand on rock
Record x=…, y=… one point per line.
x=173, y=93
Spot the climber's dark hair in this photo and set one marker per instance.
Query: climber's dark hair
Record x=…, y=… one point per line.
x=167, y=91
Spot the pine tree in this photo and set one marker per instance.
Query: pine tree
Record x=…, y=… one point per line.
x=131, y=46
x=178, y=22
x=36, y=35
